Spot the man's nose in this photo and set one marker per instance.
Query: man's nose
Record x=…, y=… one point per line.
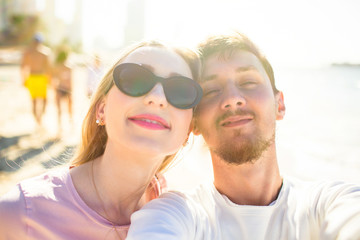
x=232, y=97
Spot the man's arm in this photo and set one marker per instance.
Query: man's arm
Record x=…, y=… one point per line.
x=341, y=212
x=166, y=218
x=24, y=67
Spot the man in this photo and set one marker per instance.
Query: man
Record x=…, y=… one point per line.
x=35, y=69
x=249, y=199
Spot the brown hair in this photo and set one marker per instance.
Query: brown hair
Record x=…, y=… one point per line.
x=94, y=138
x=226, y=45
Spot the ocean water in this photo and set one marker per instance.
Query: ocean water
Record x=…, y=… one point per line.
x=319, y=138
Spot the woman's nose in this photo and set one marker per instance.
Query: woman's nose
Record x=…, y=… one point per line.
x=156, y=96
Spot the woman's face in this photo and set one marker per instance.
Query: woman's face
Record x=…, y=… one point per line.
x=148, y=124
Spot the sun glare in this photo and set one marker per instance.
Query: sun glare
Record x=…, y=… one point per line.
x=289, y=33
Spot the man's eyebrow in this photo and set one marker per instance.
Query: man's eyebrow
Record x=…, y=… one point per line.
x=245, y=69
x=209, y=78
x=239, y=70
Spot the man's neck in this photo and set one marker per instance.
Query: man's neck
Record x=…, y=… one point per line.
x=257, y=183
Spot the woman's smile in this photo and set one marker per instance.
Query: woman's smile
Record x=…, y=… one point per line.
x=150, y=121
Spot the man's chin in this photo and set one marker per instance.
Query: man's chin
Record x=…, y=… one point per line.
x=241, y=151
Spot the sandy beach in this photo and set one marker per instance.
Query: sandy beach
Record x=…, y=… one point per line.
x=25, y=149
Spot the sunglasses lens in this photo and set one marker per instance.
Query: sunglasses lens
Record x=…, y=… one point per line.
x=133, y=80
x=181, y=92
x=136, y=81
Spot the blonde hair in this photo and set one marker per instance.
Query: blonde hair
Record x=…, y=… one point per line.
x=94, y=137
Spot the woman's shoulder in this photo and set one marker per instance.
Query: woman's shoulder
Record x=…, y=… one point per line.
x=42, y=185
x=32, y=191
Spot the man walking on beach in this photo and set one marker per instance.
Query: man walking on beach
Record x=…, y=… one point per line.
x=35, y=69
x=249, y=199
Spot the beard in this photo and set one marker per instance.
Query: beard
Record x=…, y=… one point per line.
x=244, y=150
x=238, y=149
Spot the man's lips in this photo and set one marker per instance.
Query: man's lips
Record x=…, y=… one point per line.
x=150, y=121
x=237, y=120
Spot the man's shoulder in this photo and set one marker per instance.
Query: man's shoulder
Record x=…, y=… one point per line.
x=198, y=199
x=45, y=51
x=321, y=190
x=199, y=192
x=319, y=185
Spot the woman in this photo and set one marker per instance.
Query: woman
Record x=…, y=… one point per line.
x=138, y=119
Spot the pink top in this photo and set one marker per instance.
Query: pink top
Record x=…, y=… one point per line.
x=49, y=207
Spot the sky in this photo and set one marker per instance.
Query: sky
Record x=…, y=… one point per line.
x=290, y=33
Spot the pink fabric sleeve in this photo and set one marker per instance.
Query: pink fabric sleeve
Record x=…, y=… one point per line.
x=12, y=213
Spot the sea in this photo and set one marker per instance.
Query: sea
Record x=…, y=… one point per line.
x=319, y=137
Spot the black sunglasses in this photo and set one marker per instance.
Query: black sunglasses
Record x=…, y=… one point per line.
x=135, y=80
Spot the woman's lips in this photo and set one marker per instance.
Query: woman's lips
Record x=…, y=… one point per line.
x=150, y=121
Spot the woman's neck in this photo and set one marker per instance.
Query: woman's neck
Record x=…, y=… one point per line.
x=117, y=181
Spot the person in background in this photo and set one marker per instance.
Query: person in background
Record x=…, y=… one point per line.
x=62, y=78
x=249, y=199
x=139, y=117
x=35, y=71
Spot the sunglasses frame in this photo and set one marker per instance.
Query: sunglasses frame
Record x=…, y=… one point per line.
x=156, y=79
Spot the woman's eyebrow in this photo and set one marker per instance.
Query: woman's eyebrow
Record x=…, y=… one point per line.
x=149, y=67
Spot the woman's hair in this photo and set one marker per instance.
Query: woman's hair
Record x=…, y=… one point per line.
x=94, y=137
x=225, y=45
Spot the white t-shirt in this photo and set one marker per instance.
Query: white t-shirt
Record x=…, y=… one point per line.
x=303, y=210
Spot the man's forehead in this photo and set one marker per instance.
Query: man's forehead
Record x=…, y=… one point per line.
x=237, y=61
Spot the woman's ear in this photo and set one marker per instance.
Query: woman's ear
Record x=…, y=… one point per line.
x=100, y=111
x=280, y=105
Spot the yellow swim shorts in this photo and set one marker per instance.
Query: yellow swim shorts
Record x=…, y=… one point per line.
x=37, y=85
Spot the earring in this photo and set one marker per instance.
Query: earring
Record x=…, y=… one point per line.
x=99, y=122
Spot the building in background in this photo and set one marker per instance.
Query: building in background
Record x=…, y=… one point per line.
x=20, y=19
x=135, y=24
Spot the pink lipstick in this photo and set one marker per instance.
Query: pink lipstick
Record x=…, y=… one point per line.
x=150, y=121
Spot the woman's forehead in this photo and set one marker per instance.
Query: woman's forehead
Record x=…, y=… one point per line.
x=162, y=61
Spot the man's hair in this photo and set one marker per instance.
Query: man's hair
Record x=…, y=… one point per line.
x=225, y=45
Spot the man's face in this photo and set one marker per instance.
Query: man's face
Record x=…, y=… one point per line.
x=237, y=113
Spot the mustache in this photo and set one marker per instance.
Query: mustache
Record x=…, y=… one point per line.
x=238, y=112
